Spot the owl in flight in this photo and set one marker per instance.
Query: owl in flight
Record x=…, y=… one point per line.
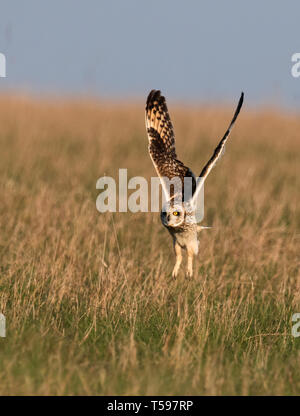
x=180, y=186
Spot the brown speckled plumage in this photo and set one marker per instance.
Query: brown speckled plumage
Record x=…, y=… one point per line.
x=162, y=141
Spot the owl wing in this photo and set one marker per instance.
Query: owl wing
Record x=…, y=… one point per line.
x=162, y=144
x=219, y=150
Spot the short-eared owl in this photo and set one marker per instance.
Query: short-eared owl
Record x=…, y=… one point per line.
x=178, y=214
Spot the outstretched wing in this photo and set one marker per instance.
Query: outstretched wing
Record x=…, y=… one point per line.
x=162, y=143
x=219, y=150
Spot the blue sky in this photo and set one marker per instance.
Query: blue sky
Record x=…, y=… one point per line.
x=192, y=50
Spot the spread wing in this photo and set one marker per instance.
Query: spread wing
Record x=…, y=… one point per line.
x=219, y=150
x=162, y=144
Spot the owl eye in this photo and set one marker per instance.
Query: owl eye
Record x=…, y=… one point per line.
x=175, y=213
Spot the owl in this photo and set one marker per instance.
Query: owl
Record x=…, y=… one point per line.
x=178, y=214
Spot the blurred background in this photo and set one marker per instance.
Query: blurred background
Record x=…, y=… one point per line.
x=194, y=51
x=89, y=302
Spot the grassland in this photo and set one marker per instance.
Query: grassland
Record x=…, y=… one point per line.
x=90, y=304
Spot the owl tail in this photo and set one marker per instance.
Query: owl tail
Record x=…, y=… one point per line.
x=201, y=227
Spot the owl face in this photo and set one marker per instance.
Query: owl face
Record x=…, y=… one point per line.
x=173, y=215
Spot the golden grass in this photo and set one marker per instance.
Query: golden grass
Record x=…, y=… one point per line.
x=89, y=301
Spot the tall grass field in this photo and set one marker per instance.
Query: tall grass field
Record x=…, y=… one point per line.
x=90, y=304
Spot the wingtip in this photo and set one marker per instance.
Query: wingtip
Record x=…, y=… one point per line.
x=153, y=95
x=239, y=106
x=154, y=92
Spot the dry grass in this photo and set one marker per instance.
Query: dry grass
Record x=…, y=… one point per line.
x=89, y=301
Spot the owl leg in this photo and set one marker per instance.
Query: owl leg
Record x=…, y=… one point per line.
x=190, y=254
x=178, y=254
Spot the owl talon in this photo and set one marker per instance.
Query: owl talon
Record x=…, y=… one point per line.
x=178, y=255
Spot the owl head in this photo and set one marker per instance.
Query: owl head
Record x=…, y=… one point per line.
x=176, y=214
x=172, y=215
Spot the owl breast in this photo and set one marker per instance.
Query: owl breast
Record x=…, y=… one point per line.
x=186, y=238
